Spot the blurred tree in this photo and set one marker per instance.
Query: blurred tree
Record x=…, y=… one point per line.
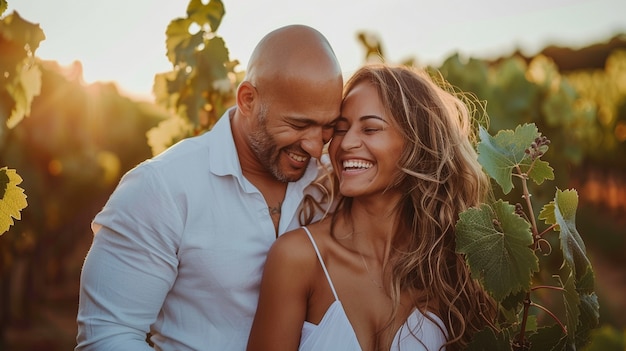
x=71, y=151
x=591, y=57
x=20, y=82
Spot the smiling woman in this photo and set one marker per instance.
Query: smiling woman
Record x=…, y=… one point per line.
x=367, y=144
x=381, y=273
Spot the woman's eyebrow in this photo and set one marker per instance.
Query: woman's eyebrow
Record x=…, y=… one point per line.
x=367, y=117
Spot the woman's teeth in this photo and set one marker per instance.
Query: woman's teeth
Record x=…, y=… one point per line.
x=357, y=164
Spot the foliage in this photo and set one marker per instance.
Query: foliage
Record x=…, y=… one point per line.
x=607, y=338
x=605, y=92
x=21, y=78
x=201, y=85
x=579, y=109
x=12, y=198
x=70, y=152
x=20, y=82
x=506, y=251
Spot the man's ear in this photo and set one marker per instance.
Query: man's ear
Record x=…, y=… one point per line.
x=246, y=97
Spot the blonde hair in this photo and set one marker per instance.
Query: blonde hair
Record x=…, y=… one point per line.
x=440, y=177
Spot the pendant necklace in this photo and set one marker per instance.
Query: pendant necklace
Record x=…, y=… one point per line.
x=275, y=210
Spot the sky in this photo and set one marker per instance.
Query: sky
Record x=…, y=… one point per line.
x=124, y=40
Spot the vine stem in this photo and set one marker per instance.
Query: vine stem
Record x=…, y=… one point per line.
x=563, y=328
x=548, y=229
x=527, y=303
x=547, y=287
x=529, y=204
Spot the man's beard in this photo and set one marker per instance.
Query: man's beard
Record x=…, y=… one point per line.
x=264, y=147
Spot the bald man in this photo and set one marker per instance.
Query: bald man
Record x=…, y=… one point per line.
x=179, y=248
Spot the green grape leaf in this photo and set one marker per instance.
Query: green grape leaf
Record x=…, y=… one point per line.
x=28, y=86
x=177, y=81
x=562, y=213
x=3, y=6
x=572, y=245
x=586, y=283
x=514, y=301
x=547, y=215
x=582, y=312
x=204, y=92
x=496, y=243
x=487, y=340
x=589, y=318
x=541, y=171
x=12, y=198
x=210, y=69
x=213, y=57
x=180, y=43
x=571, y=300
x=210, y=13
x=500, y=154
x=548, y=339
x=26, y=34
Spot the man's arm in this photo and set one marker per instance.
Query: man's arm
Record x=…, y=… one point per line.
x=130, y=267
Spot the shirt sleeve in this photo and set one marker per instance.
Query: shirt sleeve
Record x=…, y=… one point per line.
x=131, y=265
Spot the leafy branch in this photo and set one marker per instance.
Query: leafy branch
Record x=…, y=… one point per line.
x=20, y=82
x=503, y=244
x=202, y=83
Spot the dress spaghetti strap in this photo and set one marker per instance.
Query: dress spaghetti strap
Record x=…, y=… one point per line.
x=319, y=256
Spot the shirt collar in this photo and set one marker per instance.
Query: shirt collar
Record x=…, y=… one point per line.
x=223, y=159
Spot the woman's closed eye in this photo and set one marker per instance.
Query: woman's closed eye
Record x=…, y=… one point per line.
x=340, y=128
x=371, y=130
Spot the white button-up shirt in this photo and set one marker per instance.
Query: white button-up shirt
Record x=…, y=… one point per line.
x=179, y=250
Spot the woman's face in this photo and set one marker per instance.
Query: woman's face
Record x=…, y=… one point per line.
x=366, y=144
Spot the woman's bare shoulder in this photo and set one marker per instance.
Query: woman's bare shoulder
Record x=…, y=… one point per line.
x=320, y=230
x=293, y=247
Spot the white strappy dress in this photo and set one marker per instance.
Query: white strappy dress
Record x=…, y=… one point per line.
x=335, y=333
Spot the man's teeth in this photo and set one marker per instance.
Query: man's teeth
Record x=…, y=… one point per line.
x=357, y=164
x=297, y=157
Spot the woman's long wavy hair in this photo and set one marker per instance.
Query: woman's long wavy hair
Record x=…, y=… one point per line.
x=439, y=178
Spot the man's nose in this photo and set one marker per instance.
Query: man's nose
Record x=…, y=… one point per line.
x=313, y=142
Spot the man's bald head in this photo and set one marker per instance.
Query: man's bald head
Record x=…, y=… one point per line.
x=294, y=52
x=287, y=103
